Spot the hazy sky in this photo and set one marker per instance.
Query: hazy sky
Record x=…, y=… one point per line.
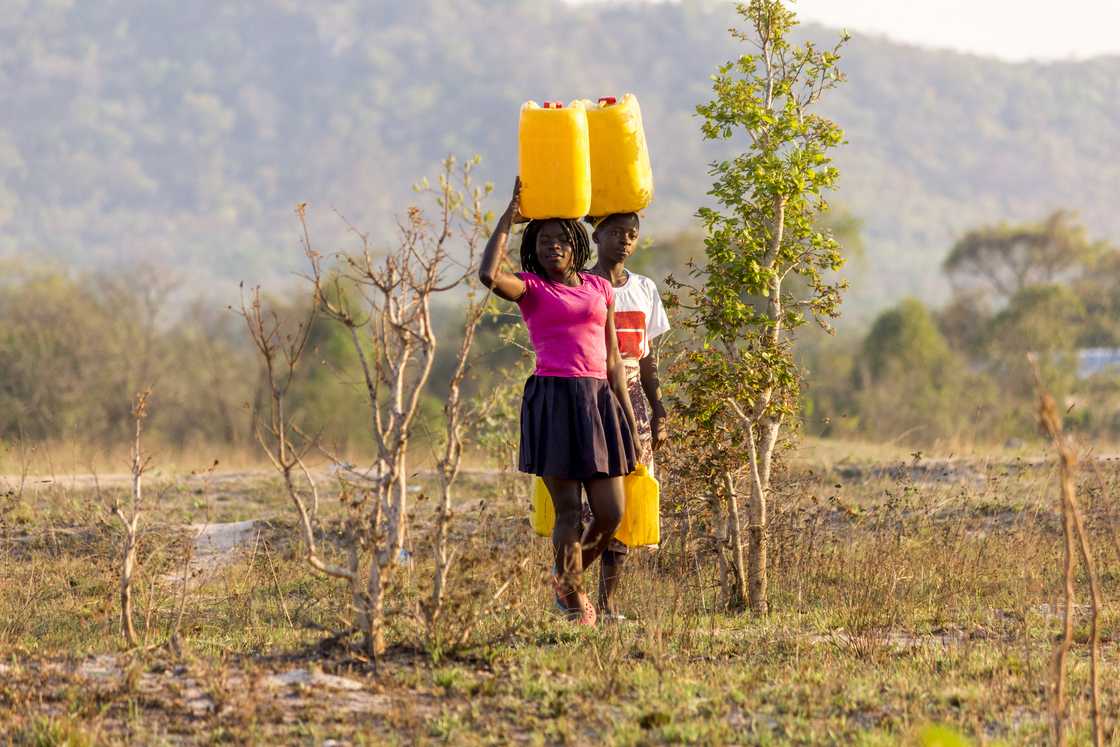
x=1012, y=29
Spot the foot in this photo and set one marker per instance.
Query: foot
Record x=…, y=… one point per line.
x=608, y=613
x=587, y=615
x=576, y=606
x=568, y=601
x=560, y=595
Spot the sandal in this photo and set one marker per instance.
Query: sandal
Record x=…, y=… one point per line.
x=587, y=615
x=559, y=594
x=584, y=615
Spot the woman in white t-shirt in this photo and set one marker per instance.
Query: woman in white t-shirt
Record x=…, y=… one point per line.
x=639, y=317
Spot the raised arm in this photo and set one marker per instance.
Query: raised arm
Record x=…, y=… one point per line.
x=490, y=273
x=616, y=374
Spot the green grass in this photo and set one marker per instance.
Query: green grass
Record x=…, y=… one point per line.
x=900, y=602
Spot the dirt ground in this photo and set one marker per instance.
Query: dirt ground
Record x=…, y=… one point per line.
x=912, y=600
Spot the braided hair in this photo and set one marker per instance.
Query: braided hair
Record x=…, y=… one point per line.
x=573, y=232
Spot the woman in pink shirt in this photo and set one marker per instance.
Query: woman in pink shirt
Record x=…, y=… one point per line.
x=577, y=422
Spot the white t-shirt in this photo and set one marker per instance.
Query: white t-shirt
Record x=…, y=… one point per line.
x=639, y=316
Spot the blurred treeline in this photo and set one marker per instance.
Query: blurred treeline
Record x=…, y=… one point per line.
x=75, y=347
x=960, y=374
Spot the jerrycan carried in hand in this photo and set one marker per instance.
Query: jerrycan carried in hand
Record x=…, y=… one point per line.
x=641, y=518
x=554, y=160
x=544, y=513
x=621, y=176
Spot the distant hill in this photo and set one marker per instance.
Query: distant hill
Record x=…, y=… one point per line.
x=183, y=133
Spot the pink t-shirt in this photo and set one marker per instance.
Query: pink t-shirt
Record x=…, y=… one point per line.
x=567, y=324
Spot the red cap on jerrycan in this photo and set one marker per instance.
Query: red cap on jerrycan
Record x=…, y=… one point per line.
x=608, y=101
x=552, y=105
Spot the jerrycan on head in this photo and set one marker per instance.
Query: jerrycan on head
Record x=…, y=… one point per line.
x=555, y=162
x=621, y=176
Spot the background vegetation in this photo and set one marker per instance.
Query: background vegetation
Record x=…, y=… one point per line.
x=188, y=150
x=181, y=156
x=905, y=591
x=73, y=344
x=958, y=374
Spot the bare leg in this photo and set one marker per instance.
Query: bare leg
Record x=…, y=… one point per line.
x=607, y=501
x=566, y=546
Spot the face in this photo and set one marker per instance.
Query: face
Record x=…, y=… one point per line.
x=554, y=249
x=617, y=237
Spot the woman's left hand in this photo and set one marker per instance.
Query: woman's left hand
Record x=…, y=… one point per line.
x=659, y=432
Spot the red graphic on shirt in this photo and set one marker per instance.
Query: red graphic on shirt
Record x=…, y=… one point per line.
x=630, y=326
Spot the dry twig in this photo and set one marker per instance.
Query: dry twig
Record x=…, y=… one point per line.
x=1073, y=530
x=131, y=520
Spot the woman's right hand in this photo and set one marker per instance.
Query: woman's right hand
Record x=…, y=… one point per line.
x=514, y=209
x=490, y=273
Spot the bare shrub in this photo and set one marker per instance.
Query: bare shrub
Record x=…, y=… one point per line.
x=1073, y=531
x=458, y=417
x=129, y=517
x=384, y=302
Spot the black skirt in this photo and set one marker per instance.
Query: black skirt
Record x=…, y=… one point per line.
x=574, y=428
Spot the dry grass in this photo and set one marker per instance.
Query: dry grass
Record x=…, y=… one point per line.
x=62, y=461
x=903, y=594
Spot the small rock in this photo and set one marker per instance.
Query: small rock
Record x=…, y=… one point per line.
x=303, y=677
x=294, y=677
x=216, y=546
x=99, y=667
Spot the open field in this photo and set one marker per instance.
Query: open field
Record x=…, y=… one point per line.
x=905, y=592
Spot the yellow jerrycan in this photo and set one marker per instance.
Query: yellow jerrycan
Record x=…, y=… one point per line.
x=544, y=513
x=621, y=176
x=554, y=160
x=641, y=518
